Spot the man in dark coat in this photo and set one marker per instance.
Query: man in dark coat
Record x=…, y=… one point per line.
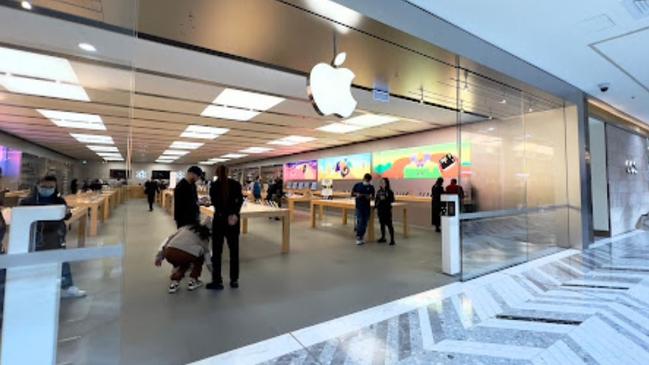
x=186, y=198
x=151, y=189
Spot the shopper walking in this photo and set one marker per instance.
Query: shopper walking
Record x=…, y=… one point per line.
x=364, y=193
x=383, y=205
x=186, y=248
x=50, y=235
x=150, y=189
x=436, y=203
x=186, y=198
x=227, y=199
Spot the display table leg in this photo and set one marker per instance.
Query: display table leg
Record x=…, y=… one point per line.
x=94, y=220
x=106, y=210
x=344, y=216
x=244, y=225
x=406, y=230
x=286, y=233
x=370, y=227
x=321, y=212
x=312, y=215
x=81, y=234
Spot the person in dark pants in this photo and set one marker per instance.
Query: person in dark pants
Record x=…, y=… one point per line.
x=186, y=198
x=436, y=203
x=150, y=189
x=383, y=205
x=74, y=186
x=50, y=235
x=364, y=193
x=227, y=199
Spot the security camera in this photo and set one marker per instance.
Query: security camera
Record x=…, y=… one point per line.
x=603, y=87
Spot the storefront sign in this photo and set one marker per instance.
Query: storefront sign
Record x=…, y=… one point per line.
x=330, y=88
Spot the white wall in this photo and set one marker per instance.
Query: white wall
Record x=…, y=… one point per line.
x=598, y=178
x=101, y=170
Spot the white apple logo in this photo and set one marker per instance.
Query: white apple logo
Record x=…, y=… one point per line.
x=330, y=88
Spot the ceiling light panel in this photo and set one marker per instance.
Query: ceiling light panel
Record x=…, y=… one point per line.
x=109, y=154
x=206, y=162
x=370, y=120
x=218, y=159
x=222, y=112
x=256, y=150
x=203, y=132
x=50, y=89
x=164, y=161
x=74, y=120
x=339, y=128
x=247, y=99
x=233, y=155
x=186, y=145
x=103, y=148
x=92, y=138
x=175, y=152
x=292, y=140
x=36, y=65
x=114, y=158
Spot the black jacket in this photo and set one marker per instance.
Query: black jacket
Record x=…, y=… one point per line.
x=151, y=188
x=49, y=235
x=383, y=201
x=185, y=203
x=228, y=204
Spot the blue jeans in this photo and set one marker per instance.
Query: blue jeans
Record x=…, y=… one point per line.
x=66, y=276
x=362, y=217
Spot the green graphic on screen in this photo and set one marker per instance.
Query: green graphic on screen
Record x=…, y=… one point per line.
x=423, y=162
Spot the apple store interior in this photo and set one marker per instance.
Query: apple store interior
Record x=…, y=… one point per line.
x=111, y=99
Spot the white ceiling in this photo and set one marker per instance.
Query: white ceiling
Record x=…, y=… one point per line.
x=583, y=42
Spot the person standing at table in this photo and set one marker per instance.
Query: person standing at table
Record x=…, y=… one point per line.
x=186, y=198
x=256, y=189
x=150, y=189
x=436, y=203
x=50, y=235
x=74, y=186
x=227, y=198
x=456, y=189
x=364, y=193
x=383, y=205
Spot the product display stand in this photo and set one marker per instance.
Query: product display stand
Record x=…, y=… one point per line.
x=451, y=254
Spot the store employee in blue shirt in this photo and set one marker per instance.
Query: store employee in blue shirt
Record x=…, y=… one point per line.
x=364, y=194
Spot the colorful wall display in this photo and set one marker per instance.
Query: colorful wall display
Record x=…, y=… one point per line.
x=301, y=170
x=423, y=162
x=10, y=162
x=351, y=167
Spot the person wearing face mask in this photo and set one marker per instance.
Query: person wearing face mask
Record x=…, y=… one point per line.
x=186, y=198
x=364, y=193
x=50, y=235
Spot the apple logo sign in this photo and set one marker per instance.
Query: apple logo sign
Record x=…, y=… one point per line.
x=330, y=88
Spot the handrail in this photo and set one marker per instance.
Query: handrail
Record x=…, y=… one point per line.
x=511, y=212
x=58, y=256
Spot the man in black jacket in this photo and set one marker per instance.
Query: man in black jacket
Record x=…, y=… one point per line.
x=186, y=198
x=227, y=199
x=50, y=235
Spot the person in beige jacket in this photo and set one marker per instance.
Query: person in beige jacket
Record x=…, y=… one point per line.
x=185, y=249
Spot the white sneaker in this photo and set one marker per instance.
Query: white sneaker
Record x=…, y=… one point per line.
x=72, y=293
x=173, y=286
x=194, y=284
x=360, y=242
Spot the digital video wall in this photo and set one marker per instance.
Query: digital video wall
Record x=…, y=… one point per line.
x=423, y=162
x=301, y=171
x=351, y=167
x=10, y=161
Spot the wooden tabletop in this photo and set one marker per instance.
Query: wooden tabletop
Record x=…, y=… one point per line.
x=346, y=203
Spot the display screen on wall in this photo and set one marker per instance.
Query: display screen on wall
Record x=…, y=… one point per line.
x=160, y=174
x=351, y=167
x=117, y=174
x=423, y=162
x=301, y=170
x=10, y=161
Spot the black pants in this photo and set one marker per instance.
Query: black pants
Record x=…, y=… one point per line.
x=385, y=219
x=150, y=198
x=221, y=231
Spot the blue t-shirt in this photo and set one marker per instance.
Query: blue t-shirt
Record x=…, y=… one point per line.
x=365, y=195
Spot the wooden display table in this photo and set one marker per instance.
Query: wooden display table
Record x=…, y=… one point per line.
x=13, y=197
x=250, y=210
x=92, y=202
x=111, y=201
x=78, y=215
x=336, y=194
x=135, y=192
x=350, y=205
x=292, y=199
x=167, y=199
x=413, y=199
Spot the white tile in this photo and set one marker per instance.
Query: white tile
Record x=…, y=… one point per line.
x=488, y=349
x=255, y=353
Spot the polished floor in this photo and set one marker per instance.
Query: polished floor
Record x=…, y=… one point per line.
x=324, y=276
x=568, y=308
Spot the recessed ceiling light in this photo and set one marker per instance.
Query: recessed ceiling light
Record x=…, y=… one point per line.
x=103, y=148
x=206, y=162
x=74, y=120
x=233, y=155
x=292, y=140
x=247, y=99
x=175, y=152
x=203, y=132
x=256, y=150
x=370, y=120
x=92, y=138
x=224, y=112
x=50, y=89
x=218, y=159
x=113, y=158
x=163, y=161
x=339, y=128
x=87, y=47
x=186, y=145
x=240, y=105
x=109, y=154
x=26, y=5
